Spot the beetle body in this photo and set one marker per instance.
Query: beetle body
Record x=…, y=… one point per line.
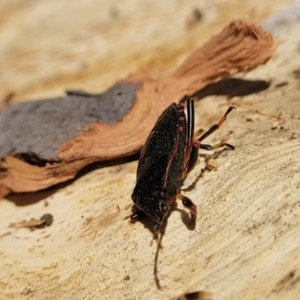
x=166, y=158
x=161, y=164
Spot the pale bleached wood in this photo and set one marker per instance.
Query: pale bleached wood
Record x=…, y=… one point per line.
x=246, y=242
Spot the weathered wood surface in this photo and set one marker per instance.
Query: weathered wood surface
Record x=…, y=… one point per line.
x=47, y=142
x=246, y=241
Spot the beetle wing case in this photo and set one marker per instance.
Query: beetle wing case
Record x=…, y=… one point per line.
x=161, y=163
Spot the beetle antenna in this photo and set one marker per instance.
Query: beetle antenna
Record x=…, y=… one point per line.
x=158, y=247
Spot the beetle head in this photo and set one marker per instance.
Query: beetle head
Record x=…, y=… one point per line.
x=155, y=204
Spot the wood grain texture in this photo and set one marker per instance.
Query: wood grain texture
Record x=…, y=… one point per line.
x=56, y=147
x=245, y=244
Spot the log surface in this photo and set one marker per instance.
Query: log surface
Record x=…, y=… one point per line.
x=56, y=138
x=246, y=241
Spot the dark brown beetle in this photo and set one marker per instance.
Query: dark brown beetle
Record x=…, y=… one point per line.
x=168, y=155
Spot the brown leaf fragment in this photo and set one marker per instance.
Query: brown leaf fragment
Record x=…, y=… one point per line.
x=40, y=153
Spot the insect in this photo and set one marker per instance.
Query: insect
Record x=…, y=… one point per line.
x=201, y=295
x=167, y=157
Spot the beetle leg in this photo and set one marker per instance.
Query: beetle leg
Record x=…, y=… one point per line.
x=222, y=144
x=136, y=215
x=192, y=160
x=191, y=152
x=187, y=202
x=195, y=152
x=214, y=128
x=206, y=147
x=218, y=145
x=190, y=130
x=192, y=149
x=156, y=227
